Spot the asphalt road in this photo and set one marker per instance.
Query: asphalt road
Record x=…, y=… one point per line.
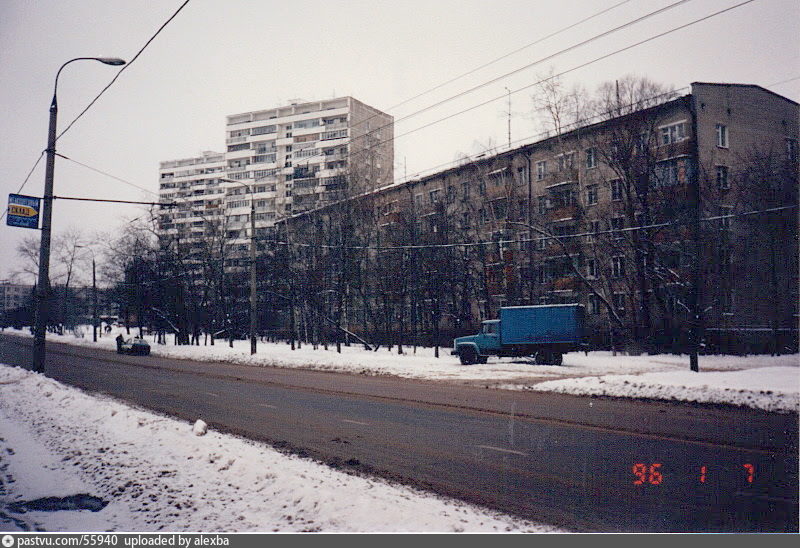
x=588, y=464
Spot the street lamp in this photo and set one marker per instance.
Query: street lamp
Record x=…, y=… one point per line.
x=253, y=308
x=43, y=283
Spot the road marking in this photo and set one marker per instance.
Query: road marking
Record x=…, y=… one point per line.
x=503, y=450
x=355, y=422
x=212, y=394
x=267, y=405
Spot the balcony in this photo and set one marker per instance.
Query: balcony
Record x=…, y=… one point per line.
x=564, y=213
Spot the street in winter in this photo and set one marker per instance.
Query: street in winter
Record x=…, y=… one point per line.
x=398, y=267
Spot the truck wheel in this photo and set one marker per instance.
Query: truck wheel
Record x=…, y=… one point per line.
x=542, y=357
x=557, y=358
x=467, y=356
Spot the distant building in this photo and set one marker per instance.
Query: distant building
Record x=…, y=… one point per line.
x=193, y=185
x=14, y=296
x=288, y=159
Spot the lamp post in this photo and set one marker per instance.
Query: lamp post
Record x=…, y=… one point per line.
x=253, y=307
x=43, y=283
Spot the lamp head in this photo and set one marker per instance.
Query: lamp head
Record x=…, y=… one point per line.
x=116, y=61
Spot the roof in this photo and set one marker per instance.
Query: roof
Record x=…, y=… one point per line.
x=745, y=86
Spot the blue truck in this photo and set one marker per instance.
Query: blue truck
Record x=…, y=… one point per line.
x=544, y=332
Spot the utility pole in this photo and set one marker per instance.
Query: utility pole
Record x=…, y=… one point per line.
x=253, y=307
x=43, y=283
x=94, y=302
x=509, y=118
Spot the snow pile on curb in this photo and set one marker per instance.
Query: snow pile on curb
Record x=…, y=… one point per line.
x=776, y=388
x=423, y=364
x=158, y=475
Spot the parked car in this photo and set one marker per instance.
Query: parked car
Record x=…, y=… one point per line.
x=134, y=346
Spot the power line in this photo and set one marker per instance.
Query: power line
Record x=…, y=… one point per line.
x=98, y=97
x=577, y=67
x=547, y=58
x=527, y=240
x=784, y=82
x=25, y=181
x=583, y=65
x=123, y=69
x=162, y=204
x=495, y=60
x=106, y=174
x=484, y=84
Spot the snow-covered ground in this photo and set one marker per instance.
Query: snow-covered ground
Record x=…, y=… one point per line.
x=156, y=474
x=764, y=382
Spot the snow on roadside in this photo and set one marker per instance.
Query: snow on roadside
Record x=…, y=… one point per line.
x=596, y=373
x=158, y=475
x=769, y=388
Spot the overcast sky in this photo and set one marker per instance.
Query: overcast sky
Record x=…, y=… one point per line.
x=224, y=57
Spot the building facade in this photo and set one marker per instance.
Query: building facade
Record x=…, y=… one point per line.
x=285, y=159
x=637, y=216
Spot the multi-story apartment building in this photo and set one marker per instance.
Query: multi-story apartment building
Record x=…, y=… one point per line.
x=286, y=159
x=193, y=185
x=628, y=215
x=14, y=296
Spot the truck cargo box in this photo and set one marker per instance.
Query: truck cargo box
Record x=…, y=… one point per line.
x=543, y=324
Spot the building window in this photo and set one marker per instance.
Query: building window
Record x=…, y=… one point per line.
x=791, y=149
x=591, y=195
x=541, y=244
x=522, y=174
x=593, y=304
x=616, y=190
x=591, y=269
x=722, y=178
x=722, y=136
x=418, y=200
x=542, y=201
x=591, y=158
x=618, y=267
x=725, y=213
x=673, y=133
x=593, y=228
x=566, y=161
x=617, y=224
x=667, y=173
x=465, y=189
x=482, y=187
x=435, y=196
x=564, y=198
x=483, y=215
x=619, y=303
x=541, y=170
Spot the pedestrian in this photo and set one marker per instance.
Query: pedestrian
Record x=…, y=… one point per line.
x=119, y=340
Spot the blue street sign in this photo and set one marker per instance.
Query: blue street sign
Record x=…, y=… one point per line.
x=23, y=211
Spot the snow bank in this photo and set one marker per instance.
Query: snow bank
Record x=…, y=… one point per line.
x=157, y=475
x=768, y=388
x=598, y=373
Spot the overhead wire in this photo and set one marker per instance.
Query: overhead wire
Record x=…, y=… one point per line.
x=394, y=137
x=125, y=67
x=577, y=67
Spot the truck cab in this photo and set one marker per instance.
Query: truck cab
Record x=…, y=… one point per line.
x=477, y=348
